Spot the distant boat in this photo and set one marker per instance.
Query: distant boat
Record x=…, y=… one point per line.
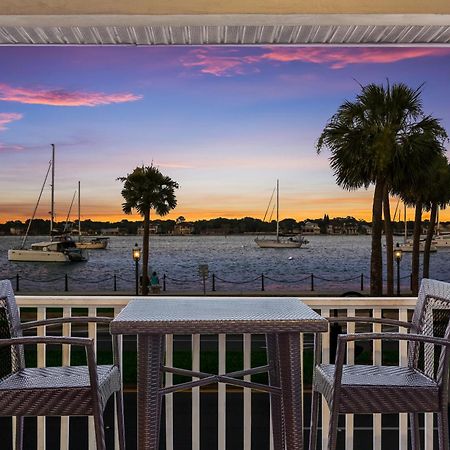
x=60, y=249
x=441, y=241
x=280, y=241
x=94, y=243
x=407, y=245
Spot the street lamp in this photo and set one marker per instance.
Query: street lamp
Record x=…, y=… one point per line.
x=398, y=257
x=136, y=257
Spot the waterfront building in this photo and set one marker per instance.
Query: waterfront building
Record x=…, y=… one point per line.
x=311, y=228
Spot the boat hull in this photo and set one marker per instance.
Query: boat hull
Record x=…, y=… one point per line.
x=442, y=242
x=36, y=256
x=269, y=243
x=408, y=248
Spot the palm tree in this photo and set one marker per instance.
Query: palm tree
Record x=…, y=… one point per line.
x=438, y=197
x=144, y=189
x=375, y=140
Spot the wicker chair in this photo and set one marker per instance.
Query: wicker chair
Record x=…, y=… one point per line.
x=54, y=391
x=420, y=387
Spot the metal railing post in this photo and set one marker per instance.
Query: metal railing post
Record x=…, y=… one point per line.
x=213, y=282
x=66, y=283
x=115, y=283
x=17, y=283
x=164, y=283
x=262, y=282
x=362, y=282
x=312, y=282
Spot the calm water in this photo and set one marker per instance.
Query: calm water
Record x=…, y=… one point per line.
x=232, y=259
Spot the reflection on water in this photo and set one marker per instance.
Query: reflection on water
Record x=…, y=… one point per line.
x=230, y=258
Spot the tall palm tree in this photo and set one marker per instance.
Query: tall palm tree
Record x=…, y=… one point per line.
x=144, y=189
x=438, y=197
x=375, y=140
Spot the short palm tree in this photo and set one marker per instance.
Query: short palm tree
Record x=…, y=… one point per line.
x=144, y=189
x=375, y=140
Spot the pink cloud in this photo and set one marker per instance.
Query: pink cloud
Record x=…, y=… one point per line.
x=5, y=148
x=218, y=62
x=62, y=97
x=227, y=63
x=339, y=58
x=6, y=118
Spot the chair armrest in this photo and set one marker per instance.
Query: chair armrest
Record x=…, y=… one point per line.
x=344, y=338
x=25, y=340
x=62, y=320
x=383, y=321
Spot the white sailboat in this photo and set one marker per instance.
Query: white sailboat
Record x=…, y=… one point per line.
x=440, y=240
x=93, y=243
x=407, y=245
x=62, y=249
x=280, y=241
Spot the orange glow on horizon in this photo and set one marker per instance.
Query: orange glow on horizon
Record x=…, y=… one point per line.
x=360, y=214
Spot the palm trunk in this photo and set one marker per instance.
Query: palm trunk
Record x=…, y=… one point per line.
x=145, y=252
x=416, y=249
x=376, y=259
x=389, y=244
x=430, y=233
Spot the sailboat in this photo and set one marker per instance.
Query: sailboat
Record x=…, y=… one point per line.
x=94, y=243
x=280, y=241
x=62, y=249
x=440, y=240
x=407, y=245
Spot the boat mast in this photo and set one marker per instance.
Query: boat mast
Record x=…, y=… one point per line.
x=79, y=214
x=437, y=221
x=52, y=212
x=405, y=238
x=278, y=210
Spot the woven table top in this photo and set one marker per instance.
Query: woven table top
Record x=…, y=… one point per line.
x=214, y=315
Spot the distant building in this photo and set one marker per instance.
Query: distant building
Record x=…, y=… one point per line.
x=183, y=228
x=110, y=231
x=16, y=231
x=311, y=228
x=350, y=229
x=153, y=229
x=366, y=229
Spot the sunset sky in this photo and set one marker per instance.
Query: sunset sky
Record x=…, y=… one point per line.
x=224, y=122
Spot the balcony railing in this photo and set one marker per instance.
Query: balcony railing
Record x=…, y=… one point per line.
x=400, y=308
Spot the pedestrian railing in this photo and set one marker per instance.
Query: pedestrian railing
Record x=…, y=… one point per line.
x=40, y=307
x=264, y=282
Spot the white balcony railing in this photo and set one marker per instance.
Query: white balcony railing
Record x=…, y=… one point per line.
x=351, y=306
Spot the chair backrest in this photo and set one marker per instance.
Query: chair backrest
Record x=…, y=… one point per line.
x=11, y=358
x=432, y=318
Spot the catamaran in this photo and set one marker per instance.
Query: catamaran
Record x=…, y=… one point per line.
x=280, y=241
x=56, y=249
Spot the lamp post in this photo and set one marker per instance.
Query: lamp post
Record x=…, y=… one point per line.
x=398, y=257
x=136, y=257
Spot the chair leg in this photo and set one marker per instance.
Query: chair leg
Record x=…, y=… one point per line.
x=333, y=427
x=314, y=419
x=415, y=432
x=99, y=429
x=19, y=432
x=443, y=429
x=120, y=419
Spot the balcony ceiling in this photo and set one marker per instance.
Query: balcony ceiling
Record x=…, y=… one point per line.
x=181, y=22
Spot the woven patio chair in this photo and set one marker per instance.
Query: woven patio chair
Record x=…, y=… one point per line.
x=54, y=391
x=420, y=387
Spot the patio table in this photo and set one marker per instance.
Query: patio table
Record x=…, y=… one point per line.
x=281, y=319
